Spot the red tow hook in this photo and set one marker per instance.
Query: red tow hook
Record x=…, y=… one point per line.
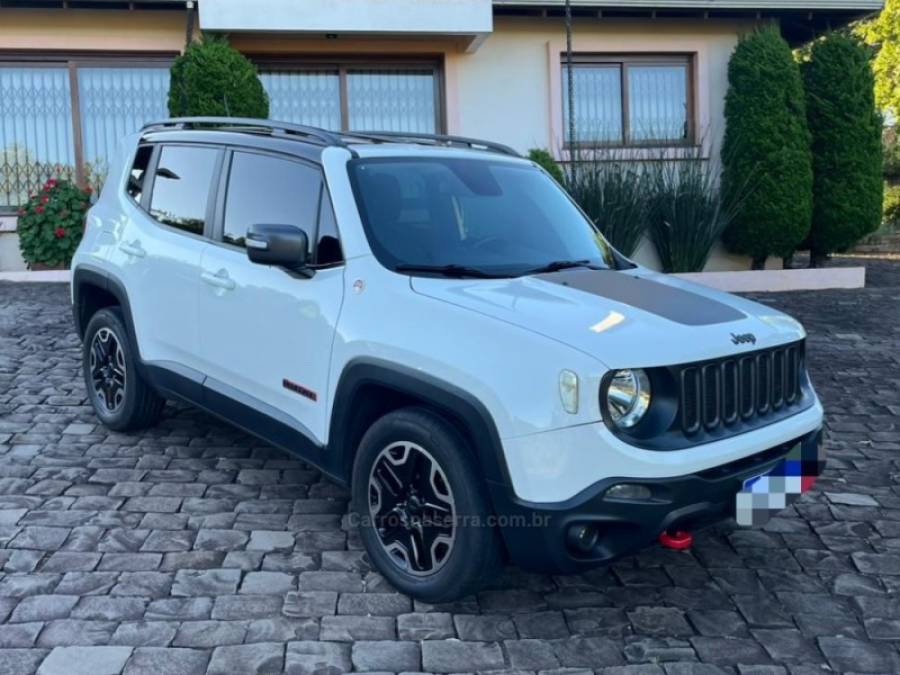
x=678, y=540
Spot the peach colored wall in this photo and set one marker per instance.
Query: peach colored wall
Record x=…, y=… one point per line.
x=515, y=74
x=77, y=29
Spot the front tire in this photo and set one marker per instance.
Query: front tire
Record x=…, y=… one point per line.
x=122, y=399
x=423, y=514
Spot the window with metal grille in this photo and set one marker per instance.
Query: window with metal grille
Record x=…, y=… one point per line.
x=63, y=118
x=355, y=96
x=629, y=100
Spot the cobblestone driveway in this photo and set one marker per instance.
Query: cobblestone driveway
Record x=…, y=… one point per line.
x=192, y=548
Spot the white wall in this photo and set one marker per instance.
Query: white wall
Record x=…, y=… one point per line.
x=505, y=90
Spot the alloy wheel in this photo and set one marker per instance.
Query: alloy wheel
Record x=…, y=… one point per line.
x=107, y=363
x=412, y=508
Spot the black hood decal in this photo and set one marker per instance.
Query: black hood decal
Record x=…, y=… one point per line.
x=663, y=300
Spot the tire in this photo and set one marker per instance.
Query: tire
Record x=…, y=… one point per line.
x=393, y=457
x=122, y=398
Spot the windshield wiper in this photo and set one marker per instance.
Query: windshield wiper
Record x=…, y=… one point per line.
x=558, y=265
x=458, y=271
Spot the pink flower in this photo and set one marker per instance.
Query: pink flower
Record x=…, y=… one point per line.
x=59, y=232
x=38, y=209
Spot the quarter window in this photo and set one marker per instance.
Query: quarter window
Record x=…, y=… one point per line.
x=328, y=248
x=640, y=100
x=269, y=190
x=181, y=186
x=135, y=185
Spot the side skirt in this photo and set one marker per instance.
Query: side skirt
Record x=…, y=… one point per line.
x=244, y=412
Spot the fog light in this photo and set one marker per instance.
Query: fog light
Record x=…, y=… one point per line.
x=582, y=538
x=629, y=492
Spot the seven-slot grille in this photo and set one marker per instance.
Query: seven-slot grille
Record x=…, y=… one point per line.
x=739, y=388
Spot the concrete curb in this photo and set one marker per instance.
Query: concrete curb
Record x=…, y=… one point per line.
x=772, y=281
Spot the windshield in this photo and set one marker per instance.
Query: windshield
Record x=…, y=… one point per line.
x=473, y=217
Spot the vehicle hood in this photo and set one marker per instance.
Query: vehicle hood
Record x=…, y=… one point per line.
x=632, y=318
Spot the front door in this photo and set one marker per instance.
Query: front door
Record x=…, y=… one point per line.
x=266, y=335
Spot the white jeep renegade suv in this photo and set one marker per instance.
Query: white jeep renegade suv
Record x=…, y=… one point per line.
x=431, y=321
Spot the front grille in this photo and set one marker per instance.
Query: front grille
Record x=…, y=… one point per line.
x=736, y=389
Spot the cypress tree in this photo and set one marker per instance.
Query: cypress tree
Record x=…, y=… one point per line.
x=846, y=145
x=767, y=166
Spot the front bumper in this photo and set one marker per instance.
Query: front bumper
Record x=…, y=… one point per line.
x=536, y=534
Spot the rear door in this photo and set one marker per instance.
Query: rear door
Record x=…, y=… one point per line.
x=266, y=335
x=161, y=251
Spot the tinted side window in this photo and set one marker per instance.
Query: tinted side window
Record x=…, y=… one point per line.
x=135, y=185
x=328, y=249
x=181, y=186
x=266, y=190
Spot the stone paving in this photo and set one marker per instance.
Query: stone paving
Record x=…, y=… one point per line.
x=192, y=548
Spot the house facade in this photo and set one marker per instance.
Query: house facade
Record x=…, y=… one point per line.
x=77, y=75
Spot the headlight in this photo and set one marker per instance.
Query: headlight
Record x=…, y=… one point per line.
x=628, y=397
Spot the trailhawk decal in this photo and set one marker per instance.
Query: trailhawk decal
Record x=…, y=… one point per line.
x=663, y=300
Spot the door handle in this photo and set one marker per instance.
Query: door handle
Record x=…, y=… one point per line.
x=133, y=249
x=220, y=279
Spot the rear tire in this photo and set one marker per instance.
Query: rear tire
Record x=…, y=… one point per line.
x=121, y=397
x=413, y=475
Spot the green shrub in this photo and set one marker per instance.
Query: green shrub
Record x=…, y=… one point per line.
x=51, y=223
x=892, y=208
x=545, y=160
x=766, y=149
x=213, y=79
x=846, y=145
x=612, y=193
x=686, y=211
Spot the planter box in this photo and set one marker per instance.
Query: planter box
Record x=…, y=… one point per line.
x=781, y=280
x=32, y=276
x=10, y=256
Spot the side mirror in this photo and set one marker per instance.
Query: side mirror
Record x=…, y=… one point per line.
x=281, y=245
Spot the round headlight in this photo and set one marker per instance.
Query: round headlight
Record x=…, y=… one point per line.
x=628, y=397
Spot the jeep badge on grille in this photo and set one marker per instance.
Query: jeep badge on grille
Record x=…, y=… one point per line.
x=743, y=338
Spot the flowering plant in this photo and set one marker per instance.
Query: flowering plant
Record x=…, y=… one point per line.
x=51, y=223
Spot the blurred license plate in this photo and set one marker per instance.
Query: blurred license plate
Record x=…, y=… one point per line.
x=764, y=495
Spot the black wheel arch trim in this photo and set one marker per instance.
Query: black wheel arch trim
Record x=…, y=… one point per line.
x=88, y=275
x=446, y=398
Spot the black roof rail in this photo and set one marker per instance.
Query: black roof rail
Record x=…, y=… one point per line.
x=322, y=136
x=435, y=139
x=312, y=133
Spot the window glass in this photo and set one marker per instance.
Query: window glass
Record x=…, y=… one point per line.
x=310, y=97
x=181, y=186
x=598, y=103
x=391, y=100
x=657, y=102
x=328, y=248
x=501, y=217
x=266, y=190
x=628, y=100
x=115, y=102
x=35, y=130
x=135, y=185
